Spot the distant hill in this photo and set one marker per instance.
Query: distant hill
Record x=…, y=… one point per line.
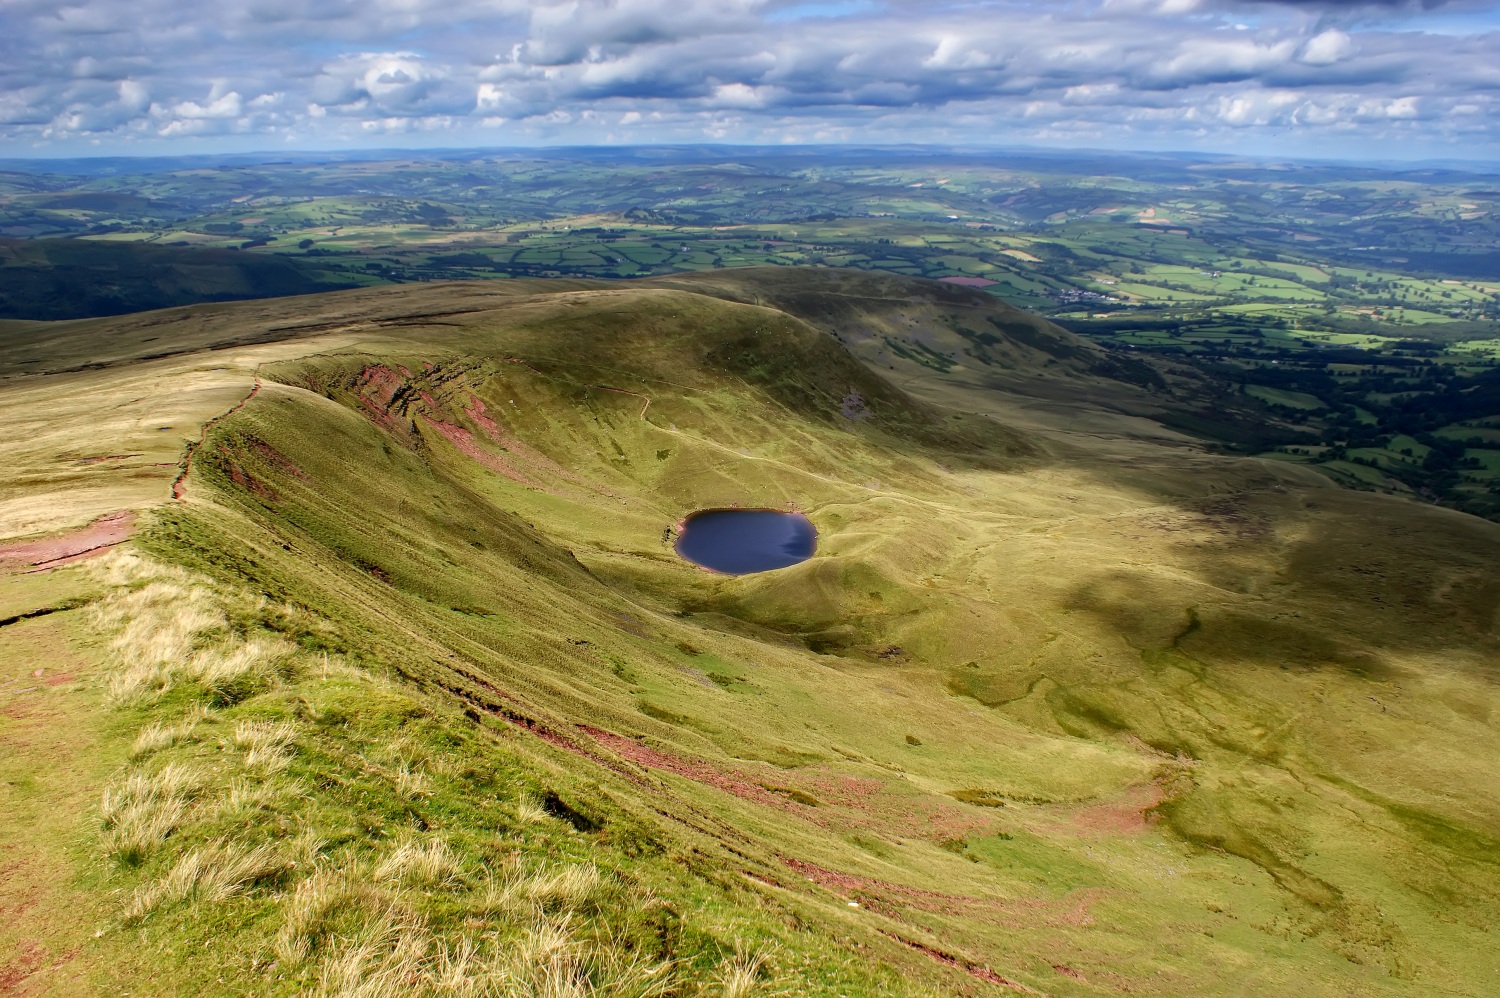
x=80, y=278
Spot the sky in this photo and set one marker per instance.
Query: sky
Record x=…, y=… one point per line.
x=1353, y=79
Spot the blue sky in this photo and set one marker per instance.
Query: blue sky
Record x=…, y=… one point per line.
x=1321, y=78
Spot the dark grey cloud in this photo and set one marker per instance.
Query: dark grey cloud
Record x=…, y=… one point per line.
x=326, y=72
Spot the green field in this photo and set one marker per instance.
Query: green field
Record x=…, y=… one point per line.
x=1051, y=229
x=1295, y=284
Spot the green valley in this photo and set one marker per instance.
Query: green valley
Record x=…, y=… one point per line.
x=346, y=651
x=1366, y=295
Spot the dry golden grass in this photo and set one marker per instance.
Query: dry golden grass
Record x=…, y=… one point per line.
x=460, y=971
x=54, y=420
x=412, y=783
x=519, y=893
x=530, y=811
x=427, y=864
x=308, y=910
x=386, y=962
x=144, y=809
x=1044, y=634
x=266, y=743
x=181, y=658
x=396, y=953
x=157, y=736
x=214, y=873
x=236, y=671
x=549, y=962
x=158, y=628
x=740, y=976
x=245, y=794
x=166, y=630
x=567, y=889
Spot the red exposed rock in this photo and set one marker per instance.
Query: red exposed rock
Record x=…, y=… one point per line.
x=518, y=449
x=179, y=487
x=464, y=440
x=50, y=552
x=967, y=966
x=698, y=772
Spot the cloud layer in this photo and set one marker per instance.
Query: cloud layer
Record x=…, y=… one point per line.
x=1398, y=77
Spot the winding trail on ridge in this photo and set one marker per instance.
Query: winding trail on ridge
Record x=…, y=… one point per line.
x=179, y=487
x=621, y=391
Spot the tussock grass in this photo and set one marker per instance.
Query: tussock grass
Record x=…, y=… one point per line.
x=309, y=913
x=236, y=672
x=168, y=629
x=740, y=976
x=265, y=743
x=529, y=810
x=411, y=783
x=534, y=893
x=549, y=961
x=245, y=794
x=570, y=888
x=157, y=735
x=384, y=962
x=395, y=953
x=144, y=809
x=385, y=911
x=427, y=864
x=214, y=873
x=161, y=626
x=1051, y=628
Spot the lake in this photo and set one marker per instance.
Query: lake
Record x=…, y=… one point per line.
x=741, y=541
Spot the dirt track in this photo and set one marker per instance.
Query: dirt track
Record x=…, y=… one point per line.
x=179, y=487
x=44, y=553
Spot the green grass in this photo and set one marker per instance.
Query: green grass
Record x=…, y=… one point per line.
x=1278, y=396
x=1058, y=696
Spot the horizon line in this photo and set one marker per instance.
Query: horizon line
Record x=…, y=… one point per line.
x=1480, y=165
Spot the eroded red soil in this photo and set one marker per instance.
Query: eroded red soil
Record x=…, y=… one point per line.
x=464, y=440
x=1128, y=814
x=179, y=487
x=50, y=552
x=876, y=896
x=518, y=448
x=847, y=803
x=1074, y=911
x=697, y=771
x=967, y=966
x=391, y=400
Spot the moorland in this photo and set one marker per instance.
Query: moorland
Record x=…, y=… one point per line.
x=1359, y=306
x=346, y=652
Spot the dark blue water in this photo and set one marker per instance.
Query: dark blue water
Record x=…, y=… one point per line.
x=740, y=541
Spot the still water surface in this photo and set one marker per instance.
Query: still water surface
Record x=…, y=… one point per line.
x=741, y=541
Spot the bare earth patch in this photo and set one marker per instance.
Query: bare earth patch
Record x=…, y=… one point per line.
x=43, y=553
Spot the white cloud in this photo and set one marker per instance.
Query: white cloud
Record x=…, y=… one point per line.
x=1256, y=109
x=316, y=71
x=1216, y=60
x=227, y=105
x=741, y=95
x=1327, y=48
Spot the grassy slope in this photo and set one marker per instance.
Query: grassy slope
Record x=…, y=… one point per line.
x=958, y=342
x=1093, y=714
x=76, y=278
